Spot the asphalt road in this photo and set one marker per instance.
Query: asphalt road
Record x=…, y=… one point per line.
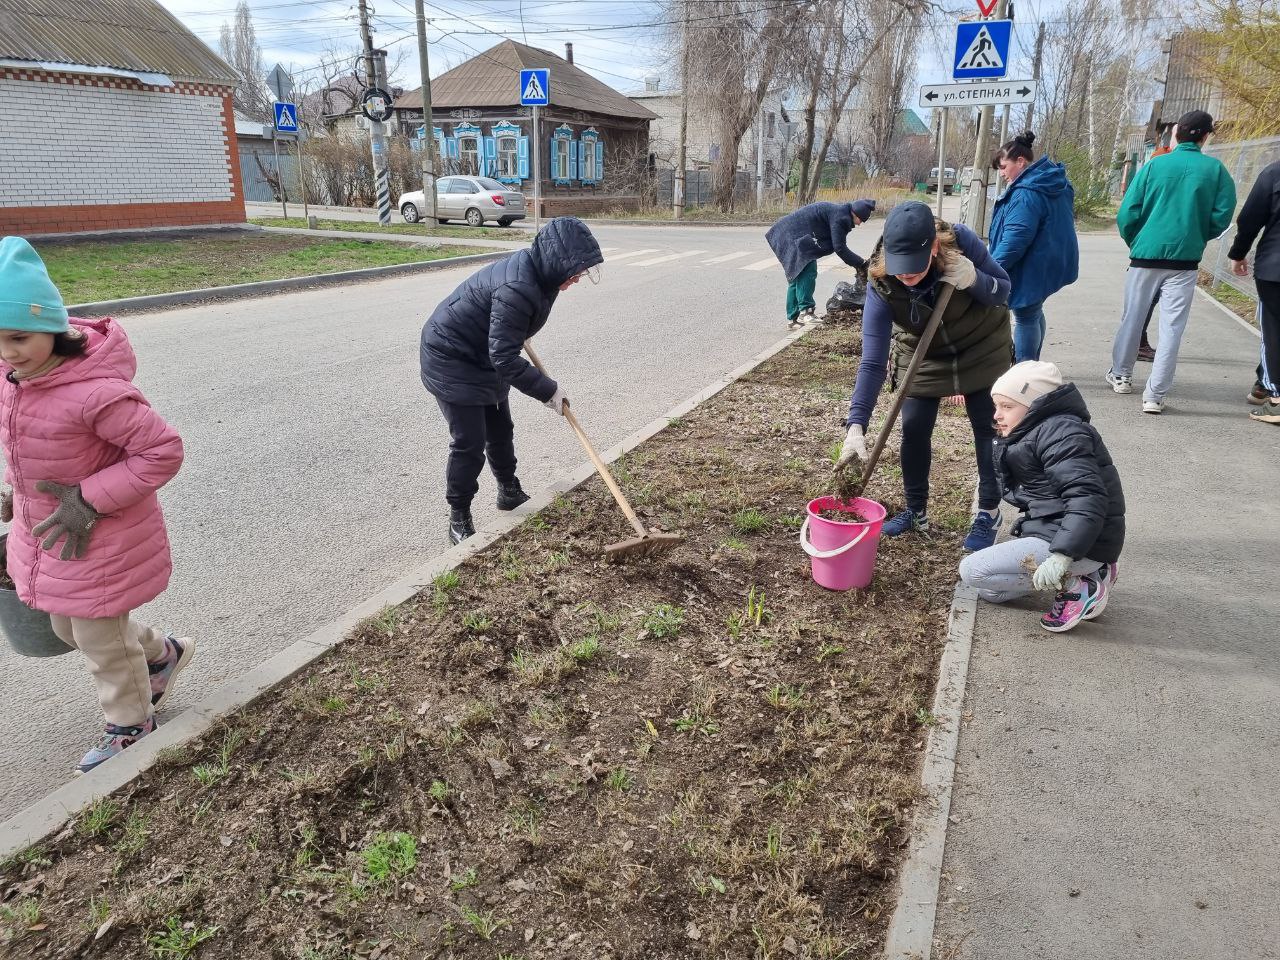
x=1116, y=789
x=315, y=457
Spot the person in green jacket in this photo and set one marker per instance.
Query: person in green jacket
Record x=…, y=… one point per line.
x=1175, y=205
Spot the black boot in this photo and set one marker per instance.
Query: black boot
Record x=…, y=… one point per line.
x=460, y=525
x=510, y=495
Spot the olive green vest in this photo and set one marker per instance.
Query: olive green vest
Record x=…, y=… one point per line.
x=971, y=349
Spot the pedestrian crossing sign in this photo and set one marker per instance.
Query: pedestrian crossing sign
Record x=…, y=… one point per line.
x=982, y=49
x=286, y=118
x=535, y=88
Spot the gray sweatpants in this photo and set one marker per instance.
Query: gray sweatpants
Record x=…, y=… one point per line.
x=1003, y=572
x=1176, y=288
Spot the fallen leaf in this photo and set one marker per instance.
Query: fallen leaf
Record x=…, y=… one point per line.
x=103, y=928
x=500, y=768
x=692, y=931
x=789, y=944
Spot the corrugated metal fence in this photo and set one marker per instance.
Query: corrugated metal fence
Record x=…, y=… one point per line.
x=1245, y=159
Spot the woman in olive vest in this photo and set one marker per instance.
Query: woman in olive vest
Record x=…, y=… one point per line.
x=970, y=350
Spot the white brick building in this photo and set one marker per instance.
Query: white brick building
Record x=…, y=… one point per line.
x=127, y=123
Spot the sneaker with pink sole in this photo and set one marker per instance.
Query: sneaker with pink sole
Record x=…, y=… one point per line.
x=1104, y=579
x=1069, y=606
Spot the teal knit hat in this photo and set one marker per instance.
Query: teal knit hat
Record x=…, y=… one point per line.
x=28, y=299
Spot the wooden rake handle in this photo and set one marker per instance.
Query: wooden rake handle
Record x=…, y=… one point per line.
x=926, y=338
x=603, y=470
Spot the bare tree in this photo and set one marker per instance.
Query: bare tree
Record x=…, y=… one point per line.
x=891, y=66
x=239, y=43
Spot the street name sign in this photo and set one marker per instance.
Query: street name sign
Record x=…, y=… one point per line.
x=982, y=94
x=286, y=117
x=535, y=88
x=982, y=49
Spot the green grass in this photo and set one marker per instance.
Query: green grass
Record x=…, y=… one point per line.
x=176, y=941
x=91, y=270
x=664, y=621
x=389, y=856
x=402, y=229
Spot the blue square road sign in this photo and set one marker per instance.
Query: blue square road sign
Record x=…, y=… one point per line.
x=982, y=49
x=287, y=117
x=535, y=88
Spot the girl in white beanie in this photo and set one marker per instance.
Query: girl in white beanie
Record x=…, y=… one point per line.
x=1054, y=467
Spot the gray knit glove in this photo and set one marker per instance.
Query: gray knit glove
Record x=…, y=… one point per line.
x=73, y=519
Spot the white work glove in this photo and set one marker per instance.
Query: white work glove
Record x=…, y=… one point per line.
x=557, y=402
x=854, y=447
x=1050, y=574
x=960, y=273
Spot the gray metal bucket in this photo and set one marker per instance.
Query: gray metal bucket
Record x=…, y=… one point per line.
x=28, y=631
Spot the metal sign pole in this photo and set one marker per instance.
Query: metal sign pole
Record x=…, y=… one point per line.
x=275, y=148
x=942, y=155
x=537, y=173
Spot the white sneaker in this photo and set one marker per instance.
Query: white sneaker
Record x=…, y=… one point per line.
x=1151, y=406
x=1120, y=384
x=811, y=319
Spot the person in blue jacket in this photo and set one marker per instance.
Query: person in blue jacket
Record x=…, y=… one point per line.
x=803, y=237
x=1033, y=236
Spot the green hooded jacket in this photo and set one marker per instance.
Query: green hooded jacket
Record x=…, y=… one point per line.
x=1176, y=204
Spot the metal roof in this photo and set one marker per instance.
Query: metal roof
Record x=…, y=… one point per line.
x=492, y=79
x=137, y=35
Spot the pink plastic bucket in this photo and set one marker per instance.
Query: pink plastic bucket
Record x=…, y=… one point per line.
x=843, y=554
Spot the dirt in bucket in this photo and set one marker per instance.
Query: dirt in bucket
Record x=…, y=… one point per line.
x=842, y=515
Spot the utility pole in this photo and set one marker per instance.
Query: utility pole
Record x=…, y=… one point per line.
x=677, y=185
x=1035, y=74
x=942, y=154
x=760, y=158
x=377, y=137
x=975, y=209
x=428, y=141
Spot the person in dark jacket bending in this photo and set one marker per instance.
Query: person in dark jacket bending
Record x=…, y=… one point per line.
x=470, y=355
x=971, y=348
x=1261, y=214
x=1055, y=469
x=803, y=237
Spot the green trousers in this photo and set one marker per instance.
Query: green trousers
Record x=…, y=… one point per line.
x=800, y=290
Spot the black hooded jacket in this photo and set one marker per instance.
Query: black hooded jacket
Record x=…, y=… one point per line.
x=1055, y=468
x=470, y=348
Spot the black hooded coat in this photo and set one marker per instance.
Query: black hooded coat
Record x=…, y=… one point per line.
x=1055, y=468
x=470, y=347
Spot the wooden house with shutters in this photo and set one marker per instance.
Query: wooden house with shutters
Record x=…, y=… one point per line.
x=593, y=141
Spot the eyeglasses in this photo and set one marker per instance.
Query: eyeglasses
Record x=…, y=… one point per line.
x=593, y=274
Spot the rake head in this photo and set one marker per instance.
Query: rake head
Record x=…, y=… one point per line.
x=650, y=545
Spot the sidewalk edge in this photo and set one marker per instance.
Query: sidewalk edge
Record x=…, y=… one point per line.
x=1229, y=312
x=45, y=817
x=910, y=934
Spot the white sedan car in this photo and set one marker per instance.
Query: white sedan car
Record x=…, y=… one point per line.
x=476, y=200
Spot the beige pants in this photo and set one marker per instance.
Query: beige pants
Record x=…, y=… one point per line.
x=117, y=649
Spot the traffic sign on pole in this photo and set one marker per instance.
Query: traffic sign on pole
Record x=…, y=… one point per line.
x=982, y=49
x=981, y=94
x=986, y=8
x=281, y=83
x=286, y=117
x=535, y=88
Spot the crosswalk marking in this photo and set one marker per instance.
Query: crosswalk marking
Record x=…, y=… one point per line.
x=765, y=264
x=832, y=263
x=730, y=256
x=665, y=259
x=633, y=253
x=608, y=249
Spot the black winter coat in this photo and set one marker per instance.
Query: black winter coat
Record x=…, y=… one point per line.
x=1261, y=214
x=1055, y=469
x=470, y=347
x=813, y=232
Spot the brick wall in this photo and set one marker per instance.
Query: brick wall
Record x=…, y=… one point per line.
x=97, y=153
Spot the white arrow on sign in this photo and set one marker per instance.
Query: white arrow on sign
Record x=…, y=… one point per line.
x=978, y=93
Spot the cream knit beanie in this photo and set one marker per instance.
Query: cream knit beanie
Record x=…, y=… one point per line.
x=1028, y=381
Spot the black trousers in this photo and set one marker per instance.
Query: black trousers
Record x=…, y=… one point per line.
x=1269, y=368
x=919, y=415
x=477, y=434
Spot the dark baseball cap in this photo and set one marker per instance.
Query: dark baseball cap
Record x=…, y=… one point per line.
x=909, y=232
x=1195, y=124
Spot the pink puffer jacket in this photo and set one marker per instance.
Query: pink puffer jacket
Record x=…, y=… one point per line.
x=85, y=422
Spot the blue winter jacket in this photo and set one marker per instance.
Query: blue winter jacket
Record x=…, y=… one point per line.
x=1033, y=233
x=470, y=347
x=813, y=232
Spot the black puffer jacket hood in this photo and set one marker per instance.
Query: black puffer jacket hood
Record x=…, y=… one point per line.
x=470, y=347
x=1055, y=468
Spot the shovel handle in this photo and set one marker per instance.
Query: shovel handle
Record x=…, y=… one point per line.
x=926, y=338
x=599, y=464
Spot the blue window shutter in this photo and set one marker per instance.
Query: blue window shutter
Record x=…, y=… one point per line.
x=453, y=147
x=599, y=161
x=574, y=146
x=489, y=167
x=552, y=172
x=522, y=158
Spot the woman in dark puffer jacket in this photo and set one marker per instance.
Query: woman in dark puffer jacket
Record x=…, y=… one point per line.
x=1054, y=467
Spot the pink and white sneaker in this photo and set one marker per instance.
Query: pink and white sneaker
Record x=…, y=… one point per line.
x=1104, y=579
x=177, y=654
x=1070, y=605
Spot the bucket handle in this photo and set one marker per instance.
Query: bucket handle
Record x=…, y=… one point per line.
x=813, y=551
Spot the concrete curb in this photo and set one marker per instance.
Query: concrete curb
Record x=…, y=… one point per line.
x=1229, y=312
x=910, y=935
x=46, y=817
x=410, y=239
x=261, y=288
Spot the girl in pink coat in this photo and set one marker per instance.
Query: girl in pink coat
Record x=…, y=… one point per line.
x=86, y=454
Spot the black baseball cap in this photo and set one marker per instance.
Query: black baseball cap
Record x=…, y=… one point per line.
x=1195, y=124
x=909, y=232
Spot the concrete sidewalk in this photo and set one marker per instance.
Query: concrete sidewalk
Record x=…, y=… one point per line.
x=1116, y=795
